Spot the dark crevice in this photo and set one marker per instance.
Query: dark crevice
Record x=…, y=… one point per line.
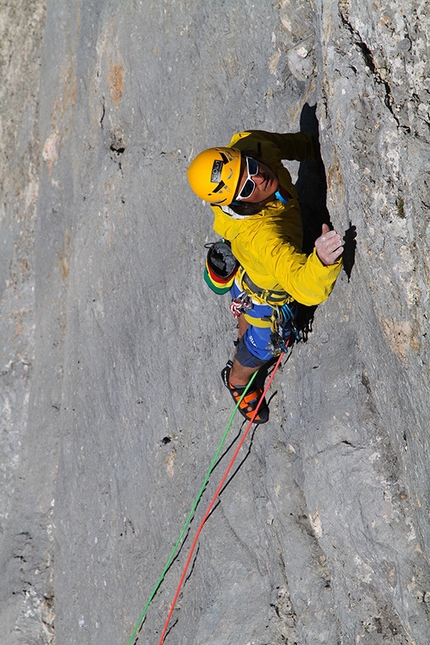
x=117, y=149
x=103, y=114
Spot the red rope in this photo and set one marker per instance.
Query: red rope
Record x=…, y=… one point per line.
x=211, y=505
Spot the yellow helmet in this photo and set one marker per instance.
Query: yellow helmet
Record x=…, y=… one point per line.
x=214, y=175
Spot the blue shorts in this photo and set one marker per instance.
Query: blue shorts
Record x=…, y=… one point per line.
x=252, y=349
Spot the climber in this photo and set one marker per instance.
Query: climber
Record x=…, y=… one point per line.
x=257, y=211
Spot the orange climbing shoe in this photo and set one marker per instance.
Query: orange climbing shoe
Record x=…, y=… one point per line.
x=250, y=401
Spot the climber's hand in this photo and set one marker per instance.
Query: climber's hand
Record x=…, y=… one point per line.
x=328, y=245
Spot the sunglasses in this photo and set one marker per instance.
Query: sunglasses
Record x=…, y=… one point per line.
x=249, y=185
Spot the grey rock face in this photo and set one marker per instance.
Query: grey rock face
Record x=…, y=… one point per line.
x=27, y=448
x=112, y=345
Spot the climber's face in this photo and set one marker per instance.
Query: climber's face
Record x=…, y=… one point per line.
x=256, y=183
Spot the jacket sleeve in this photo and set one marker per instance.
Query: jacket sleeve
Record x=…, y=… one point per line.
x=304, y=277
x=296, y=146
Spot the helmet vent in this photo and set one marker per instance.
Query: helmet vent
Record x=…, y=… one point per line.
x=219, y=187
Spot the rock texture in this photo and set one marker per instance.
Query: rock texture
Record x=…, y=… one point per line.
x=111, y=343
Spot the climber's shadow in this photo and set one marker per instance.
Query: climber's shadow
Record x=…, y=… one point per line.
x=312, y=189
x=312, y=185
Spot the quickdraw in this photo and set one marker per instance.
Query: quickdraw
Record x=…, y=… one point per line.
x=241, y=304
x=283, y=325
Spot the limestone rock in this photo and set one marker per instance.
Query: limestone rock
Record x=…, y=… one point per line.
x=112, y=345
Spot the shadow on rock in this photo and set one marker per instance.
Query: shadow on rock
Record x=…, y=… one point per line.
x=312, y=185
x=349, y=247
x=312, y=189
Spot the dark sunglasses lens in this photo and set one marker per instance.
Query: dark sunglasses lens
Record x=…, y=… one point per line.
x=252, y=166
x=247, y=189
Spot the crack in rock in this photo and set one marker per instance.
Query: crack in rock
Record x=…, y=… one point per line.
x=370, y=63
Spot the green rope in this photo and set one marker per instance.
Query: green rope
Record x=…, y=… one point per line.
x=190, y=515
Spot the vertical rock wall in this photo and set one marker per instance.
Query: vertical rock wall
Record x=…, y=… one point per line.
x=26, y=478
x=110, y=367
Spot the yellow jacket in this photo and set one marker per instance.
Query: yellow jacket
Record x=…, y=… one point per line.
x=269, y=245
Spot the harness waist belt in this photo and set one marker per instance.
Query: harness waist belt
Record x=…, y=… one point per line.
x=268, y=294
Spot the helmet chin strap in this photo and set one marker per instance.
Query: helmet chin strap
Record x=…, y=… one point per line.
x=283, y=199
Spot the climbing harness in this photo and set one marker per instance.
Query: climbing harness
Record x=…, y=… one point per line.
x=268, y=296
x=273, y=309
